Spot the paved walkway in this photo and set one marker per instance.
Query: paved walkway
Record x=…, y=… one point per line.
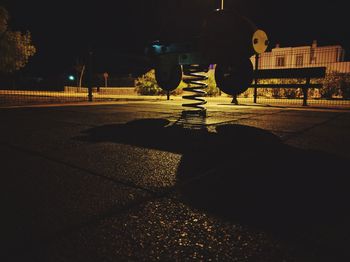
x=125, y=181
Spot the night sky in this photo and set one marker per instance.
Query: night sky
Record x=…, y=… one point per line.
x=63, y=30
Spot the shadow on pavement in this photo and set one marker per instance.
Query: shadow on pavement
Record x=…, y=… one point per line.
x=252, y=178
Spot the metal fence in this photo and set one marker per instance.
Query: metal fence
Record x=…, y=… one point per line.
x=80, y=82
x=83, y=85
x=335, y=90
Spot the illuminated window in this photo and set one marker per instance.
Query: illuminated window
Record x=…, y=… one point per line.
x=280, y=61
x=299, y=60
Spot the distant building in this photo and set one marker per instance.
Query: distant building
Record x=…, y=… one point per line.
x=332, y=57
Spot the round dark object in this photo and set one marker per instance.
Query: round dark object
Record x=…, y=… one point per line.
x=168, y=77
x=235, y=78
x=227, y=35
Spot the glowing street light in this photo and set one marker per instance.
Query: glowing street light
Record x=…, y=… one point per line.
x=71, y=78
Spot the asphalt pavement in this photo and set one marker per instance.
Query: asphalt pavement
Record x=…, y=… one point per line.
x=137, y=181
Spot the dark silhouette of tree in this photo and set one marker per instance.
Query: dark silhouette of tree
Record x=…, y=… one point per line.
x=15, y=47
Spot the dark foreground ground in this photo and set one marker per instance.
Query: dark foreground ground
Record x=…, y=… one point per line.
x=132, y=181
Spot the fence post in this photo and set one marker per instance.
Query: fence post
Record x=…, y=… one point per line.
x=256, y=79
x=89, y=76
x=305, y=91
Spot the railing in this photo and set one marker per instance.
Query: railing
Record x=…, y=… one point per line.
x=20, y=89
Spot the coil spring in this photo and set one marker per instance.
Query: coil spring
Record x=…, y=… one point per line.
x=195, y=83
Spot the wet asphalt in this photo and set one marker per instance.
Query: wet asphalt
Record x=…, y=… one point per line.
x=135, y=181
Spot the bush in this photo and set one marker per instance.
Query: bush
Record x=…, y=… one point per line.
x=212, y=89
x=147, y=85
x=276, y=92
x=336, y=84
x=270, y=92
x=290, y=93
x=345, y=86
x=313, y=92
x=248, y=93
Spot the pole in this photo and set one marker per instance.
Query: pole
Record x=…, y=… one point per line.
x=90, y=76
x=222, y=4
x=256, y=78
x=81, y=75
x=305, y=91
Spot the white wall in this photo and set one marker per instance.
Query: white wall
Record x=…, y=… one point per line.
x=331, y=57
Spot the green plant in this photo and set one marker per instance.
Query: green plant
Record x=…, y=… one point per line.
x=212, y=89
x=15, y=47
x=335, y=84
x=248, y=93
x=345, y=86
x=147, y=85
